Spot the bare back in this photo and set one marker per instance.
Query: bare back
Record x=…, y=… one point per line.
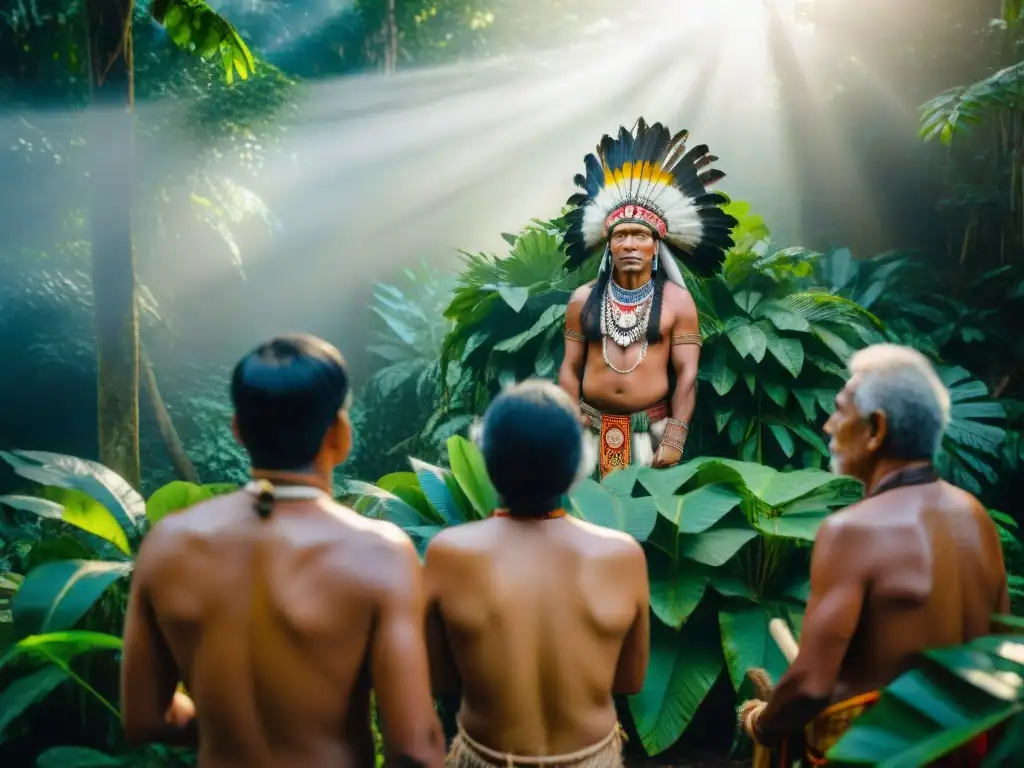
x=272, y=625
x=544, y=619
x=932, y=563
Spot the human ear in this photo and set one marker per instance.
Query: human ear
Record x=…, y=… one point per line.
x=879, y=426
x=342, y=437
x=235, y=431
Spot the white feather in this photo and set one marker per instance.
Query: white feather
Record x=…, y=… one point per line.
x=588, y=458
x=668, y=263
x=476, y=433
x=685, y=228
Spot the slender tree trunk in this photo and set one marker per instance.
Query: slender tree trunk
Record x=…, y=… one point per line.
x=183, y=466
x=113, y=258
x=391, y=40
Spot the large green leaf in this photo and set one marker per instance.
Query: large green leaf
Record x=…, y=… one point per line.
x=777, y=488
x=717, y=546
x=700, y=509
x=957, y=694
x=434, y=483
x=677, y=587
x=598, y=504
x=174, y=497
x=60, y=647
x=684, y=667
x=195, y=26
x=747, y=642
x=470, y=471
x=783, y=318
x=747, y=339
x=81, y=511
x=26, y=691
x=406, y=486
x=786, y=349
x=107, y=487
x=550, y=316
x=76, y=757
x=378, y=504
x=54, y=596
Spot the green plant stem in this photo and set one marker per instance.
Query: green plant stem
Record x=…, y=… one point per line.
x=83, y=684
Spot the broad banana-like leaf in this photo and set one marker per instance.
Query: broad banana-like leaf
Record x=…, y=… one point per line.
x=178, y=495
x=684, y=667
x=955, y=695
x=24, y=692
x=79, y=510
x=471, y=473
x=92, y=478
x=55, y=595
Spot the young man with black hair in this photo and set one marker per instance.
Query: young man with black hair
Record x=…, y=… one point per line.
x=536, y=617
x=630, y=332
x=276, y=607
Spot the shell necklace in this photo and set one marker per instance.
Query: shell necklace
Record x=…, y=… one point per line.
x=624, y=319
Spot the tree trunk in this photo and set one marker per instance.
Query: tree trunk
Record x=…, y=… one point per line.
x=183, y=466
x=391, y=40
x=113, y=258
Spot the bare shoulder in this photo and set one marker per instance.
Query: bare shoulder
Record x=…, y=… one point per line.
x=380, y=537
x=842, y=533
x=608, y=542
x=458, y=538
x=967, y=501
x=385, y=554
x=680, y=301
x=579, y=296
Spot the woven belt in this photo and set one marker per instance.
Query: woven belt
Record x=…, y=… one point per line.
x=639, y=421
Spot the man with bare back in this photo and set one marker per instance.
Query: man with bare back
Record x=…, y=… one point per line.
x=277, y=608
x=916, y=565
x=645, y=202
x=536, y=617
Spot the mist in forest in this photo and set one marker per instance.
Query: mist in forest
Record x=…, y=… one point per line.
x=358, y=172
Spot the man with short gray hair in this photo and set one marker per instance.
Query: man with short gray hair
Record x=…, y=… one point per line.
x=917, y=564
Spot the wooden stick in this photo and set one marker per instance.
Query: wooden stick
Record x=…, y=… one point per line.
x=783, y=638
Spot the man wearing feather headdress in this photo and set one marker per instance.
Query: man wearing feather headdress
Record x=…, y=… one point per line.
x=635, y=328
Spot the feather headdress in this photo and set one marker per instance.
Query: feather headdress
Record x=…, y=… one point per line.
x=648, y=177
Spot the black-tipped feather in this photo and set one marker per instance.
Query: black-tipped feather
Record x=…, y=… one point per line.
x=712, y=176
x=666, y=153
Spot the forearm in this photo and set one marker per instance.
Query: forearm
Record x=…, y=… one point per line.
x=684, y=400
x=570, y=379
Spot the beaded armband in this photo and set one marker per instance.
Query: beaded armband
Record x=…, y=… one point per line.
x=675, y=434
x=687, y=338
x=573, y=336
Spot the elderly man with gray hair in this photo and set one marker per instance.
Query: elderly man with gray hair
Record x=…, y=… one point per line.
x=917, y=564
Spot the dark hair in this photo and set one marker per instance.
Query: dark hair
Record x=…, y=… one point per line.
x=532, y=446
x=590, y=315
x=287, y=394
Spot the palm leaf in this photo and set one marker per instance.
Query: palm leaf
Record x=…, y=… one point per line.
x=949, y=113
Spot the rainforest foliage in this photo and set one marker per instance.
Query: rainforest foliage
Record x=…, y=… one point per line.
x=727, y=533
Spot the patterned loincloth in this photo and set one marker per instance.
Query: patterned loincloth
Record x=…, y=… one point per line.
x=467, y=753
x=626, y=439
x=825, y=730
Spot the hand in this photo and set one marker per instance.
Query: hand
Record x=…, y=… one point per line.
x=181, y=712
x=749, y=713
x=667, y=456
